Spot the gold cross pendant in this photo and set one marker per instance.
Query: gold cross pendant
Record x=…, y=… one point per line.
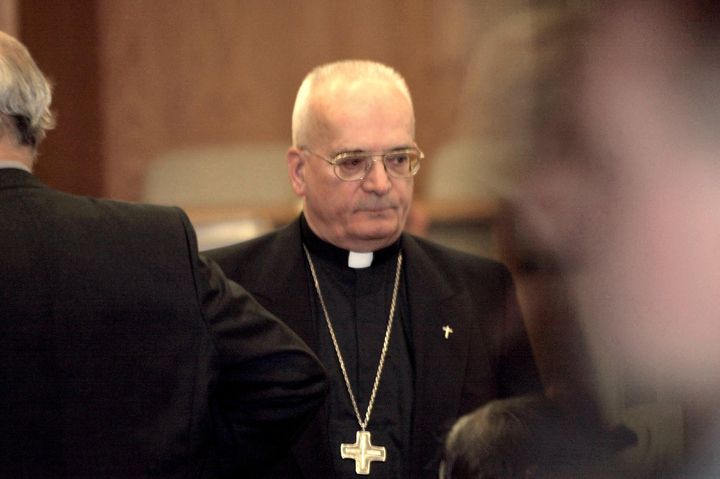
x=363, y=452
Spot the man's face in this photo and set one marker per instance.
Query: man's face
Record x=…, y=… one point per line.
x=365, y=215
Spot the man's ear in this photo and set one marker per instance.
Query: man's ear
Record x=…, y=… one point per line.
x=296, y=168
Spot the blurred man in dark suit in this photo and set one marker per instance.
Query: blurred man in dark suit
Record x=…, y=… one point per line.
x=122, y=353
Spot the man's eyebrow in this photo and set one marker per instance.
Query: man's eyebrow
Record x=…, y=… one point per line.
x=361, y=151
x=356, y=150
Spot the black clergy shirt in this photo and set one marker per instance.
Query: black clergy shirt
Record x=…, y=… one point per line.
x=358, y=302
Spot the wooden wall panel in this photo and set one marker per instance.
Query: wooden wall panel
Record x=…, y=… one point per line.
x=184, y=73
x=62, y=37
x=137, y=78
x=8, y=17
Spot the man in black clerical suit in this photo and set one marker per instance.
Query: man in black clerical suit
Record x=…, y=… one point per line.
x=122, y=353
x=412, y=334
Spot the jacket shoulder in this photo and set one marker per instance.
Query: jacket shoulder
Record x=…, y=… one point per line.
x=453, y=259
x=249, y=257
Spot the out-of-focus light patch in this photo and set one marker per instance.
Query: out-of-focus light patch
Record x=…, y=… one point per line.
x=217, y=235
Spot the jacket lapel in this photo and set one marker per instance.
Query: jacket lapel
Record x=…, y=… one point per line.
x=434, y=305
x=283, y=285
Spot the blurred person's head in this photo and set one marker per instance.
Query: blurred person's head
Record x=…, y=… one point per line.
x=354, y=154
x=507, y=79
x=517, y=438
x=627, y=188
x=498, y=440
x=652, y=104
x=25, y=97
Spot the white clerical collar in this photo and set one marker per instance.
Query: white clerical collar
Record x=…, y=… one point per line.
x=359, y=260
x=14, y=164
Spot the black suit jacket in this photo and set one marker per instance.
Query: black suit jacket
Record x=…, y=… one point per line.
x=487, y=356
x=123, y=354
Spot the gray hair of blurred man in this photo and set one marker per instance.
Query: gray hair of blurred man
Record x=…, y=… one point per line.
x=25, y=95
x=306, y=119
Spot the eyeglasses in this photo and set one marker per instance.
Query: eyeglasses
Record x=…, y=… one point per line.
x=355, y=165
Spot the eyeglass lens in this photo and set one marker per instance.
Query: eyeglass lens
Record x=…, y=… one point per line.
x=401, y=164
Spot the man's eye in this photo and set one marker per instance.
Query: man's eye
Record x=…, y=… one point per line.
x=397, y=159
x=352, y=162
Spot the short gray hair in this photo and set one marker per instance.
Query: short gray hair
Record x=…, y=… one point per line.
x=25, y=94
x=347, y=70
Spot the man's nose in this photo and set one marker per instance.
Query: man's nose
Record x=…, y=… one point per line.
x=377, y=179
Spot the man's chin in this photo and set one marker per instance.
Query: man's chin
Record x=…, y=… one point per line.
x=379, y=233
x=376, y=227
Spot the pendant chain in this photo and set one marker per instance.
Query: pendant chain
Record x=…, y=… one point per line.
x=386, y=341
